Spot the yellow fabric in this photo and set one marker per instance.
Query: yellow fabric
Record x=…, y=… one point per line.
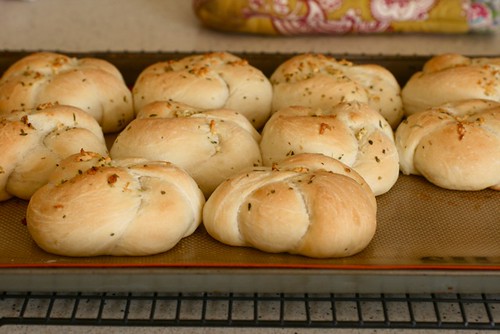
x=273, y=17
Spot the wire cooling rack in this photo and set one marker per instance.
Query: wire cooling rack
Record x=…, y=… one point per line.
x=432, y=311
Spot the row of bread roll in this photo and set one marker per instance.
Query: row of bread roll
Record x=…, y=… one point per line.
x=308, y=204
x=213, y=145
x=223, y=80
x=312, y=81
x=217, y=80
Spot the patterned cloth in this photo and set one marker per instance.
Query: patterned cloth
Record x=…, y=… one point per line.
x=295, y=17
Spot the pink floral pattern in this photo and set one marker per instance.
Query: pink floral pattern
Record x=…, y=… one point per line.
x=289, y=21
x=479, y=15
x=321, y=16
x=401, y=10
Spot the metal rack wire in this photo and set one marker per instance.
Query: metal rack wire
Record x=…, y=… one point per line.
x=433, y=311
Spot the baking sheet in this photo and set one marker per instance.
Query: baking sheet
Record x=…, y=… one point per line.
x=422, y=231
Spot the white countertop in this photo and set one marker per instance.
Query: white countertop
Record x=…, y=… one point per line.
x=170, y=25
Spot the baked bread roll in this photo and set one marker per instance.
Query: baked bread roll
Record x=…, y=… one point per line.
x=309, y=204
x=209, y=81
x=454, y=146
x=210, y=145
x=319, y=81
x=94, y=206
x=353, y=133
x=452, y=77
x=34, y=141
x=93, y=85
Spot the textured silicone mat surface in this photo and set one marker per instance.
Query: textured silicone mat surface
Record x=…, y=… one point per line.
x=419, y=226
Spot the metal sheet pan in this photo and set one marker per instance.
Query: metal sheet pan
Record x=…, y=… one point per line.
x=428, y=239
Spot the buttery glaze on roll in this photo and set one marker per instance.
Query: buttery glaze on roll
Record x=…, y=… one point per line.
x=449, y=78
x=352, y=133
x=94, y=206
x=34, y=141
x=93, y=85
x=211, y=145
x=320, y=81
x=217, y=80
x=454, y=146
x=309, y=204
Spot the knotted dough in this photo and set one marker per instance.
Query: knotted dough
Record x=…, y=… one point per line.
x=34, y=141
x=308, y=204
x=93, y=206
x=352, y=133
x=91, y=84
x=210, y=145
x=217, y=80
x=454, y=146
x=452, y=77
x=320, y=81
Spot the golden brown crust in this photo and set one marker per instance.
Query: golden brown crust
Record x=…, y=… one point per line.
x=455, y=145
x=97, y=206
x=452, y=77
x=352, y=133
x=295, y=207
x=91, y=84
x=34, y=141
x=319, y=81
x=210, y=81
x=211, y=145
